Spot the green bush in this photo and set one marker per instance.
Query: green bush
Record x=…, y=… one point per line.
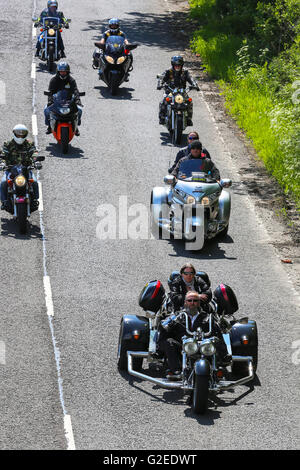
x=252, y=47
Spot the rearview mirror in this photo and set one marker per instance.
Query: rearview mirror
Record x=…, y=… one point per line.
x=34, y=19
x=82, y=93
x=47, y=93
x=100, y=46
x=170, y=179
x=225, y=183
x=40, y=158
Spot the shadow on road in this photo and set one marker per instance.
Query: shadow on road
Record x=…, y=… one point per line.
x=211, y=250
x=123, y=93
x=74, y=152
x=9, y=229
x=148, y=29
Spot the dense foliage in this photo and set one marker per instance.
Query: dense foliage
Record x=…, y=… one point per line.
x=253, y=48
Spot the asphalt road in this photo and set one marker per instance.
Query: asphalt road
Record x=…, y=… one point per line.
x=59, y=374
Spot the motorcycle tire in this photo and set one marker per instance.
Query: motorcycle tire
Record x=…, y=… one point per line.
x=200, y=394
x=50, y=60
x=22, y=218
x=137, y=362
x=65, y=139
x=240, y=369
x=177, y=135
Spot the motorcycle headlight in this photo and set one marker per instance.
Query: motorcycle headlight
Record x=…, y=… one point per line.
x=179, y=99
x=190, y=346
x=190, y=200
x=51, y=32
x=205, y=201
x=121, y=60
x=64, y=110
x=109, y=59
x=207, y=348
x=20, y=181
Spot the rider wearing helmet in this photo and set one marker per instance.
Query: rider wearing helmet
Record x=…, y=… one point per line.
x=205, y=164
x=51, y=11
x=113, y=30
x=16, y=151
x=186, y=150
x=176, y=77
x=62, y=81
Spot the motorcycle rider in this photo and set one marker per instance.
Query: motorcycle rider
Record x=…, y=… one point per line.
x=186, y=150
x=169, y=341
x=176, y=77
x=62, y=81
x=206, y=164
x=186, y=281
x=51, y=11
x=113, y=30
x=16, y=151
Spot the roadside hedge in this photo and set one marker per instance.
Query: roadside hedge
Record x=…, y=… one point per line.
x=252, y=48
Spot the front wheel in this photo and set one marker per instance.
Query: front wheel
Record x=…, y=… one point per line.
x=22, y=217
x=200, y=394
x=65, y=139
x=50, y=60
x=178, y=129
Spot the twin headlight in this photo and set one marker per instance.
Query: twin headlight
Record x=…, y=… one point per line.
x=64, y=110
x=206, y=347
x=179, y=99
x=51, y=32
x=111, y=60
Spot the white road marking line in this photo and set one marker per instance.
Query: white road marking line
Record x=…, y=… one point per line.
x=46, y=279
x=33, y=31
x=69, y=432
x=34, y=125
x=2, y=353
x=33, y=71
x=48, y=296
x=41, y=203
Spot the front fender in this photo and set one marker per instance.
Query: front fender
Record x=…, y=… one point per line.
x=202, y=367
x=131, y=324
x=224, y=206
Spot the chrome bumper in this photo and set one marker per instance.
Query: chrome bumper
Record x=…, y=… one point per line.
x=179, y=384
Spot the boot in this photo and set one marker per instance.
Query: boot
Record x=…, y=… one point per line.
x=49, y=130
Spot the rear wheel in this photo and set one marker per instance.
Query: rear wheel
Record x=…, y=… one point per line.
x=137, y=362
x=200, y=394
x=22, y=217
x=65, y=139
x=240, y=369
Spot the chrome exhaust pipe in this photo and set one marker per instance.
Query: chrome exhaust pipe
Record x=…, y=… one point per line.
x=161, y=382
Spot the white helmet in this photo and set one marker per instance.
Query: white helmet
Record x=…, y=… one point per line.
x=20, y=133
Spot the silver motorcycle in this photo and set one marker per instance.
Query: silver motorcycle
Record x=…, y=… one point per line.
x=193, y=207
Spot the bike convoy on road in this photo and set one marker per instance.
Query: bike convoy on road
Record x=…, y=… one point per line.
x=191, y=342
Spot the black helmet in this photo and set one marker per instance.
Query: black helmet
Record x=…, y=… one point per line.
x=226, y=300
x=152, y=296
x=114, y=25
x=177, y=60
x=63, y=67
x=196, y=144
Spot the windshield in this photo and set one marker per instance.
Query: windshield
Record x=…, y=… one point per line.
x=194, y=170
x=63, y=96
x=114, y=45
x=49, y=19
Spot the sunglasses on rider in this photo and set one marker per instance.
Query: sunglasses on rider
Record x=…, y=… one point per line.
x=193, y=137
x=192, y=300
x=188, y=273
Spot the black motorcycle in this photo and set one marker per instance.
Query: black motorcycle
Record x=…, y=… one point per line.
x=114, y=61
x=64, y=117
x=20, y=193
x=177, y=101
x=50, y=29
